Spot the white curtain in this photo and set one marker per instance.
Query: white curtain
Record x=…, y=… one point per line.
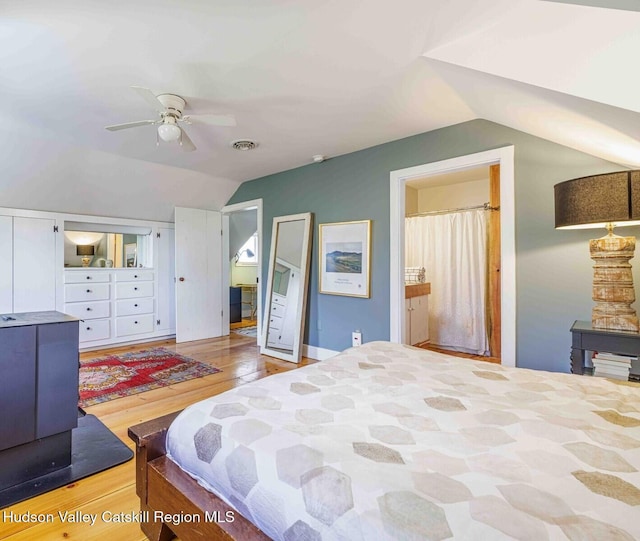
x=452, y=248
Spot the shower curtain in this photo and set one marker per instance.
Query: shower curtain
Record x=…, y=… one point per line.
x=452, y=248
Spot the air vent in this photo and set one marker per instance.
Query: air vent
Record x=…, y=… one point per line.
x=244, y=144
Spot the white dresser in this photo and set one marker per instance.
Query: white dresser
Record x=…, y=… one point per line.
x=115, y=305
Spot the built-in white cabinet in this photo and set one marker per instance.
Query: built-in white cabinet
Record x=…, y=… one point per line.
x=6, y=268
x=115, y=305
x=166, y=286
x=417, y=320
x=416, y=303
x=28, y=270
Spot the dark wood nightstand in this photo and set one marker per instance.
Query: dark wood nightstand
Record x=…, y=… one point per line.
x=585, y=338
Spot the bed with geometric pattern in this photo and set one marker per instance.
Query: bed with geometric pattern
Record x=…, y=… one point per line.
x=387, y=441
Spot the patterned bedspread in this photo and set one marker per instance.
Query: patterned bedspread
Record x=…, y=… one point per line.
x=392, y=442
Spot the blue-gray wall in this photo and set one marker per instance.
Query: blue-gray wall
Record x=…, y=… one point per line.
x=553, y=268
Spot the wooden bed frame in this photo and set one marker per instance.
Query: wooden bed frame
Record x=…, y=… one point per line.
x=164, y=488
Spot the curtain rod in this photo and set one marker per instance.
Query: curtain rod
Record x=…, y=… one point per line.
x=486, y=206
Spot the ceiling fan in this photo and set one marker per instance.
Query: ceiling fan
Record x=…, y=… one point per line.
x=170, y=108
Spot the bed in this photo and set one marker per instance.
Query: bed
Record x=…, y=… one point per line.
x=387, y=441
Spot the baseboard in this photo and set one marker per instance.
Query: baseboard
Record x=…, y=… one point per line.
x=127, y=343
x=316, y=353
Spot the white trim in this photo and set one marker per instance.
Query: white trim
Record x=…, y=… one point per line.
x=505, y=157
x=316, y=353
x=104, y=344
x=228, y=209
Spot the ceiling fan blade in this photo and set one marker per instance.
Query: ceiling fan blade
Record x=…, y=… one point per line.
x=127, y=125
x=186, y=143
x=148, y=96
x=216, y=120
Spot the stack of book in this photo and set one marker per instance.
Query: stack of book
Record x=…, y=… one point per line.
x=612, y=365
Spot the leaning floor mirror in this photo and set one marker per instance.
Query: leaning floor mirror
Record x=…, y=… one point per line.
x=288, y=279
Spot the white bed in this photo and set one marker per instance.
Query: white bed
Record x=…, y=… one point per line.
x=392, y=442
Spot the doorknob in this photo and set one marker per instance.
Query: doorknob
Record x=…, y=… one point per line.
x=181, y=278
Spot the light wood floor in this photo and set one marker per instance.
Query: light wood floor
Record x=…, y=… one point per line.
x=114, y=490
x=242, y=324
x=427, y=345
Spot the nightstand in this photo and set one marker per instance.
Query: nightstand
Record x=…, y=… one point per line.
x=585, y=338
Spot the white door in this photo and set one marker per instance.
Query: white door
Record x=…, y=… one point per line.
x=6, y=267
x=34, y=265
x=166, y=287
x=198, y=274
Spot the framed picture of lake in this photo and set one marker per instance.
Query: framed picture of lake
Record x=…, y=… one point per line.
x=345, y=258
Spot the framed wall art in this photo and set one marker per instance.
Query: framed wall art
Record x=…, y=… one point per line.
x=345, y=258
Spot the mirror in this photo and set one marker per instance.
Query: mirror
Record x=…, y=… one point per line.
x=117, y=250
x=287, y=287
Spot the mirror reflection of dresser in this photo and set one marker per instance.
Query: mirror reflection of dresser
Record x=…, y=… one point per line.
x=284, y=301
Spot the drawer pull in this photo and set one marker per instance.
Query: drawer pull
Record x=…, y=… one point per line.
x=135, y=275
x=135, y=289
x=88, y=277
x=88, y=309
x=88, y=328
x=136, y=322
x=135, y=306
x=88, y=291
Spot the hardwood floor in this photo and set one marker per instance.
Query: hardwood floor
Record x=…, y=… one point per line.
x=113, y=490
x=494, y=360
x=243, y=323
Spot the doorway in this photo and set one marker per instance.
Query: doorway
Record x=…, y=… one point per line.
x=452, y=238
x=242, y=256
x=506, y=266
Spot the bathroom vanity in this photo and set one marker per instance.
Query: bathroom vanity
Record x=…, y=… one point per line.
x=416, y=330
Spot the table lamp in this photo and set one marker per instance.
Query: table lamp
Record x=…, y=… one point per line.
x=607, y=200
x=87, y=251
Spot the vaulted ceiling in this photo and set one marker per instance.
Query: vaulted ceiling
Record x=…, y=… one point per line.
x=302, y=77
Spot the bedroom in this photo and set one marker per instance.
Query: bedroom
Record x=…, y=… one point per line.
x=559, y=132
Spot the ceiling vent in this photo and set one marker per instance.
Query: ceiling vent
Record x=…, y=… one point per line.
x=244, y=144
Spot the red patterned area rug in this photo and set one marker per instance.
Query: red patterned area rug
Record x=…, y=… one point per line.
x=115, y=376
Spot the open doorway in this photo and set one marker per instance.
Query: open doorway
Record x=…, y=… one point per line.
x=452, y=248
x=504, y=157
x=242, y=249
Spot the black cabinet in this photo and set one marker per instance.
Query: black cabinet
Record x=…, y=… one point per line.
x=38, y=394
x=235, y=304
x=17, y=386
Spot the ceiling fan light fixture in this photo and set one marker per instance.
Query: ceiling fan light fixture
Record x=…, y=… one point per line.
x=169, y=132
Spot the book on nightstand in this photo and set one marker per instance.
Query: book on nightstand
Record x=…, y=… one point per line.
x=612, y=365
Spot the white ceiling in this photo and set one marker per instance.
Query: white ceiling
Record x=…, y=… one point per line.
x=302, y=77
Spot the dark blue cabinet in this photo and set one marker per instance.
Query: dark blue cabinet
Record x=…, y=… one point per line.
x=38, y=394
x=235, y=304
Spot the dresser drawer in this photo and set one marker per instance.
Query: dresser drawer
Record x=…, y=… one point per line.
x=134, y=306
x=86, y=292
x=131, y=290
x=88, y=310
x=277, y=310
x=99, y=329
x=279, y=299
x=128, y=325
x=85, y=277
x=275, y=323
x=134, y=276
